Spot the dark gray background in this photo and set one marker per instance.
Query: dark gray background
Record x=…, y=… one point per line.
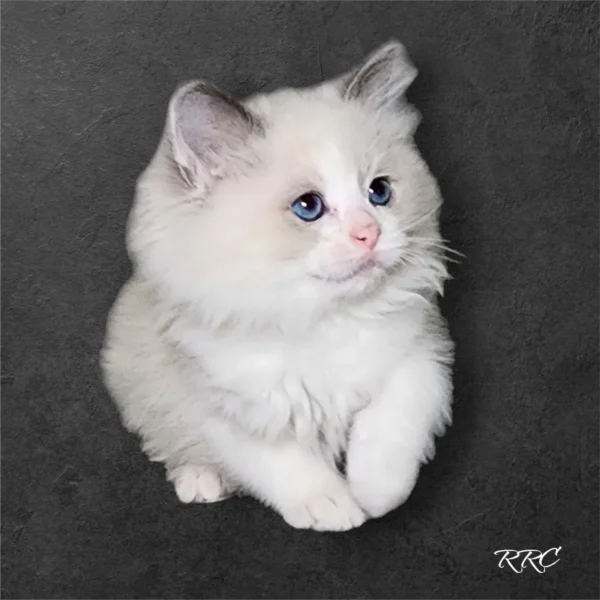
x=509, y=95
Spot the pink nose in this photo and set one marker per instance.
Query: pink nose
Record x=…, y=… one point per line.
x=365, y=235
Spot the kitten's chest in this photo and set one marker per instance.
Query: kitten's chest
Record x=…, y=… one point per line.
x=338, y=362
x=308, y=385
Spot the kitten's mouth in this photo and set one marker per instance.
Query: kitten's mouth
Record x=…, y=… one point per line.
x=363, y=267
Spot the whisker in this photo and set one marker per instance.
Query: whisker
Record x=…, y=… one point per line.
x=452, y=260
x=449, y=250
x=438, y=244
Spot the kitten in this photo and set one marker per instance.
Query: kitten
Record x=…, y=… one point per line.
x=282, y=314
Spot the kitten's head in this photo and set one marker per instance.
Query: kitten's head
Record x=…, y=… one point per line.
x=289, y=203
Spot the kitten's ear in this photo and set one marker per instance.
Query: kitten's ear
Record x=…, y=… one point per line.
x=206, y=129
x=382, y=78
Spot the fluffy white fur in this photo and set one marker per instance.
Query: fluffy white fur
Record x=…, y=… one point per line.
x=249, y=350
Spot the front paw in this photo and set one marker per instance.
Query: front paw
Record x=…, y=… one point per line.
x=328, y=509
x=381, y=485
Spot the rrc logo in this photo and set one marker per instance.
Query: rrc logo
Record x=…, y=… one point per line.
x=518, y=560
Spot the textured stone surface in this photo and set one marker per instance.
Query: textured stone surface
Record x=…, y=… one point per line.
x=509, y=95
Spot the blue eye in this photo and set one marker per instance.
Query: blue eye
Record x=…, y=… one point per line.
x=309, y=207
x=380, y=191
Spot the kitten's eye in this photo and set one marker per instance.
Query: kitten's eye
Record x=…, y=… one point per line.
x=380, y=191
x=309, y=207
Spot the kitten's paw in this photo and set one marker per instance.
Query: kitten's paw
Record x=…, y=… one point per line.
x=198, y=484
x=381, y=486
x=326, y=510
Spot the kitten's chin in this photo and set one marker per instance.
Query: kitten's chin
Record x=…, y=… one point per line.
x=361, y=279
x=362, y=270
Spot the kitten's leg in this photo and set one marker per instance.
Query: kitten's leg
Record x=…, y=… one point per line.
x=147, y=379
x=300, y=485
x=393, y=435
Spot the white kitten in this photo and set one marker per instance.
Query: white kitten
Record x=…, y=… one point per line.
x=282, y=314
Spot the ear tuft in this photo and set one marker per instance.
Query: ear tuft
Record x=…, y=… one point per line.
x=207, y=128
x=382, y=78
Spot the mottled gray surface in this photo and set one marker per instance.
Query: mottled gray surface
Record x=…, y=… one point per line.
x=509, y=94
